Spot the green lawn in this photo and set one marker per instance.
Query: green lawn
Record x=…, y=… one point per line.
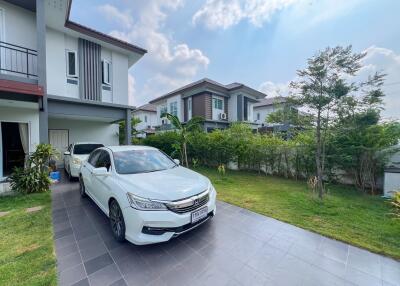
x=26, y=242
x=344, y=214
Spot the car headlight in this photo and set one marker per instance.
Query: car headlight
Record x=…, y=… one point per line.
x=145, y=204
x=76, y=161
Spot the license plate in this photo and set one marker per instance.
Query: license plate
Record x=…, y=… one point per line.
x=199, y=214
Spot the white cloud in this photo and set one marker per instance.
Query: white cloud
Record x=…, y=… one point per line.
x=384, y=60
x=112, y=13
x=168, y=60
x=226, y=13
x=272, y=89
x=378, y=59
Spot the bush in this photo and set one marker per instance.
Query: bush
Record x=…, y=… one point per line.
x=34, y=178
x=396, y=204
x=166, y=141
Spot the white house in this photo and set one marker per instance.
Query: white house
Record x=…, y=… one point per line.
x=267, y=106
x=60, y=82
x=147, y=114
x=218, y=104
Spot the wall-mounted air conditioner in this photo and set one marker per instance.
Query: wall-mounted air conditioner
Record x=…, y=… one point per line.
x=222, y=116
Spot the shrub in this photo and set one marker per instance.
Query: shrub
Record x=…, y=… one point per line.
x=34, y=178
x=396, y=205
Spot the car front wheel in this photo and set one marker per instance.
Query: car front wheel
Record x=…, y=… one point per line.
x=82, y=189
x=117, y=221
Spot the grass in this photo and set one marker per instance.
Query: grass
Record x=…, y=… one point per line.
x=26, y=241
x=344, y=214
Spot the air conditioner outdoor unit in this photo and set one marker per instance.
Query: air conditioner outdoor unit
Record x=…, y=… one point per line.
x=222, y=116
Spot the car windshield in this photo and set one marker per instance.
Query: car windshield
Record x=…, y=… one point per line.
x=84, y=149
x=141, y=161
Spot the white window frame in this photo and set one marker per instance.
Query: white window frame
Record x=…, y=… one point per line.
x=106, y=68
x=173, y=108
x=69, y=74
x=189, y=108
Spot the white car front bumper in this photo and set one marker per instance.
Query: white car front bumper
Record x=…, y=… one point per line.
x=169, y=223
x=74, y=170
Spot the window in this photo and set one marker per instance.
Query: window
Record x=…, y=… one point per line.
x=173, y=108
x=145, y=118
x=82, y=149
x=141, y=161
x=72, y=64
x=106, y=71
x=163, y=109
x=104, y=160
x=93, y=157
x=218, y=103
x=189, y=104
x=258, y=116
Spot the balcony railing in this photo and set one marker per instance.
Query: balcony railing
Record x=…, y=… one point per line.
x=17, y=60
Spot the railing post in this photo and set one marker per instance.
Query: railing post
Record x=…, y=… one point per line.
x=27, y=65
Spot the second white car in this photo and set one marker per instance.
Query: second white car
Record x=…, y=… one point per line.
x=148, y=197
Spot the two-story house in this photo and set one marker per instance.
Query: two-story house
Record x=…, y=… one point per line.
x=147, y=114
x=60, y=82
x=217, y=103
x=267, y=106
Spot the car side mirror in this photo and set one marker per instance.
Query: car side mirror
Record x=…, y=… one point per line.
x=102, y=171
x=66, y=153
x=177, y=161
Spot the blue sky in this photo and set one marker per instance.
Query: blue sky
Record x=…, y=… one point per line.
x=260, y=43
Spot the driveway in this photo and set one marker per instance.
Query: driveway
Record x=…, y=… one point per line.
x=237, y=247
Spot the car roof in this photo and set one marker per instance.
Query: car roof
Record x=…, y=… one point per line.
x=129, y=148
x=80, y=143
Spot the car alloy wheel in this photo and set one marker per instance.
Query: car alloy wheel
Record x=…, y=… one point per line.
x=117, y=221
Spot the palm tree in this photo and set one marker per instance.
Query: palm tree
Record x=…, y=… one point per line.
x=185, y=129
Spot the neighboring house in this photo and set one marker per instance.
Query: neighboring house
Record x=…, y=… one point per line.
x=147, y=114
x=265, y=107
x=218, y=104
x=60, y=82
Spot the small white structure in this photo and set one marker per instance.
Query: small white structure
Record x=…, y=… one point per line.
x=391, y=180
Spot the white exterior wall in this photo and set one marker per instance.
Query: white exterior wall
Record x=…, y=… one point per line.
x=159, y=106
x=57, y=44
x=20, y=112
x=232, y=108
x=119, y=66
x=263, y=111
x=178, y=99
x=19, y=26
x=87, y=131
x=151, y=119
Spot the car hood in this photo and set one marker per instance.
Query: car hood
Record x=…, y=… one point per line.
x=172, y=184
x=82, y=157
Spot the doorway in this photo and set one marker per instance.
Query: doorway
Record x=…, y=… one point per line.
x=59, y=139
x=12, y=146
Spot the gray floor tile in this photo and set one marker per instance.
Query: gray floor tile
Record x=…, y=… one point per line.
x=83, y=282
x=98, y=263
x=67, y=250
x=72, y=275
x=248, y=276
x=120, y=282
x=364, y=261
x=361, y=278
x=105, y=276
x=69, y=261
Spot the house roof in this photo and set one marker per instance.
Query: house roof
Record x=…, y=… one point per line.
x=226, y=88
x=147, y=107
x=271, y=101
x=99, y=35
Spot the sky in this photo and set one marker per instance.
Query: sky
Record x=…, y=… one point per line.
x=260, y=43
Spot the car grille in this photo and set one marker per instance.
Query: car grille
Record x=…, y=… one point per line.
x=189, y=204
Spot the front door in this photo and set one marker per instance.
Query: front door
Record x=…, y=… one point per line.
x=59, y=140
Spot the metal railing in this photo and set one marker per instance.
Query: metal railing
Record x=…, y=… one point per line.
x=18, y=60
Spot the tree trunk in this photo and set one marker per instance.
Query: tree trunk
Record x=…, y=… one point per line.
x=318, y=154
x=185, y=154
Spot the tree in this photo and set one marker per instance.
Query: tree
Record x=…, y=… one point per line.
x=121, y=134
x=321, y=86
x=184, y=129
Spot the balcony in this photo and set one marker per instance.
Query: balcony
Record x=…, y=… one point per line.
x=165, y=127
x=17, y=61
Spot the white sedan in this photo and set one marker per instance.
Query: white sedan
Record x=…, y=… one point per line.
x=148, y=197
x=76, y=154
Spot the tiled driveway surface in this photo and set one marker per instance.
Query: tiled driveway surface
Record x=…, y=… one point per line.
x=237, y=247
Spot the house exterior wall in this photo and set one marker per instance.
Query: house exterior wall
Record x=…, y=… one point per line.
x=151, y=119
x=87, y=131
x=19, y=25
x=264, y=111
x=57, y=44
